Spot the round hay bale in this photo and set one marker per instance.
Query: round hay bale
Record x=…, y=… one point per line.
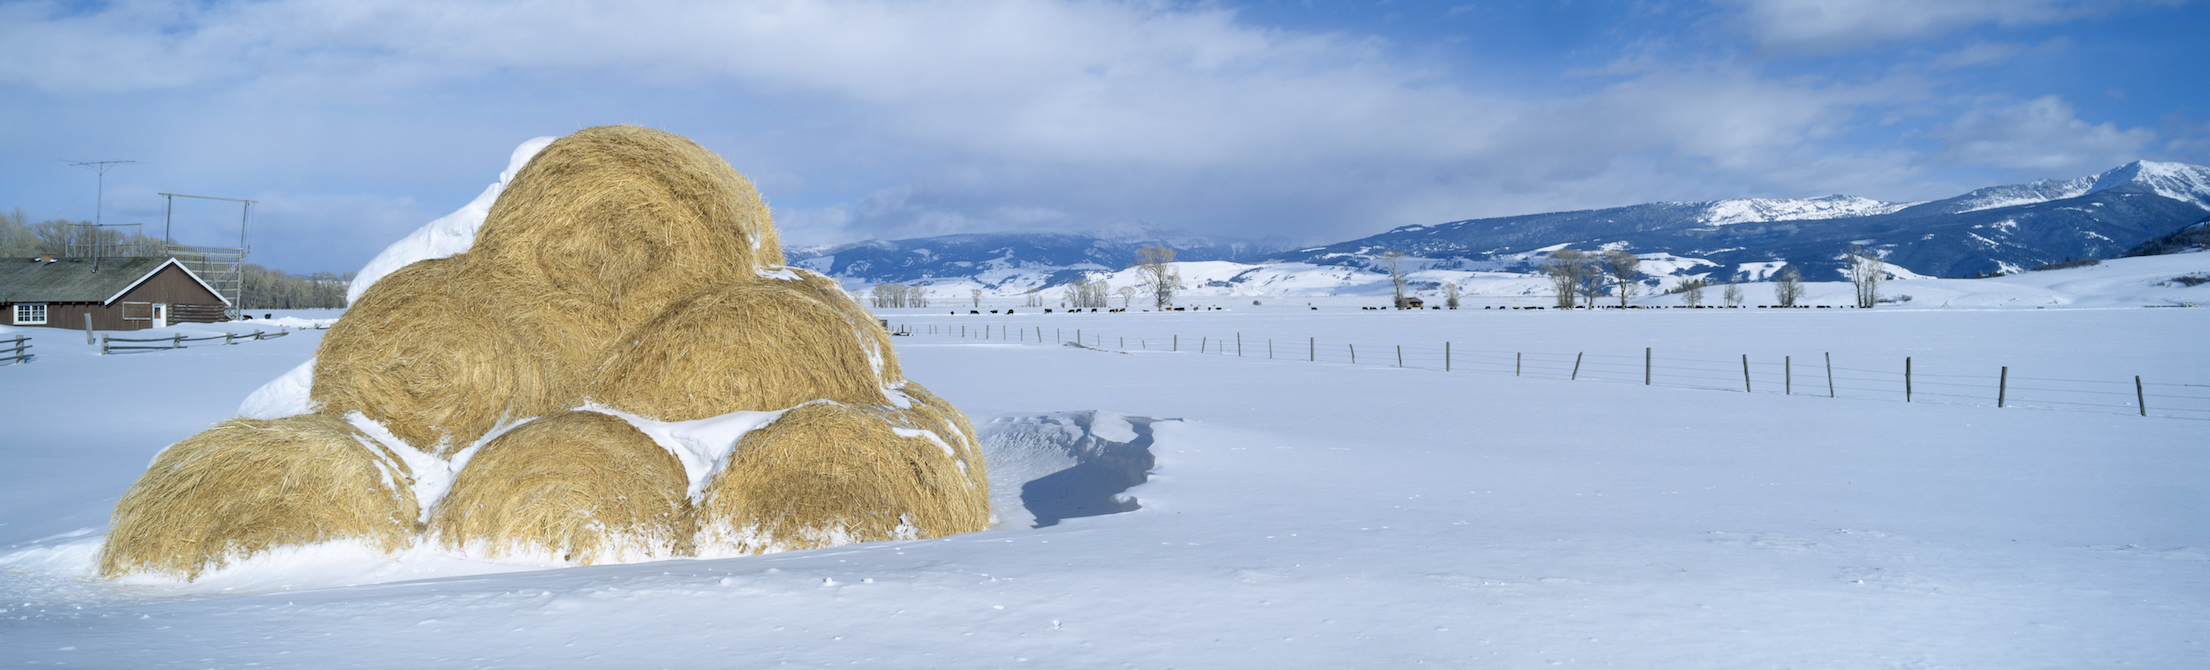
x=245, y=486
x=578, y=487
x=937, y=415
x=829, y=293
x=826, y=474
x=421, y=355
x=606, y=227
x=759, y=346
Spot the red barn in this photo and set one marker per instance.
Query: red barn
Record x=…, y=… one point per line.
x=119, y=293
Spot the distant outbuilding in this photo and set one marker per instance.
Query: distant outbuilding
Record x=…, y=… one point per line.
x=128, y=293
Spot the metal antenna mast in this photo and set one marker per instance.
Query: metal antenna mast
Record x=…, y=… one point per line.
x=100, y=168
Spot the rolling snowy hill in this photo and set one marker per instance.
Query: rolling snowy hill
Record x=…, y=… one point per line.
x=2001, y=229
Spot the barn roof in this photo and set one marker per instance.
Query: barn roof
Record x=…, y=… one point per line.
x=72, y=279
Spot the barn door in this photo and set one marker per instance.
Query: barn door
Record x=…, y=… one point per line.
x=161, y=315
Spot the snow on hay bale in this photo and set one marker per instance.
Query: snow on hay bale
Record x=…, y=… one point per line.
x=825, y=474
x=421, y=356
x=246, y=486
x=606, y=227
x=757, y=346
x=580, y=487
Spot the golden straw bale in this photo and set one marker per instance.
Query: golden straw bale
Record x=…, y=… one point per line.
x=829, y=293
x=937, y=415
x=606, y=227
x=246, y=486
x=419, y=354
x=760, y=346
x=825, y=474
x=582, y=487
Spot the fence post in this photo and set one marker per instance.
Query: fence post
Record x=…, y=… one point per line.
x=87, y=327
x=1787, y=375
x=1312, y=353
x=256, y=334
x=1269, y=348
x=1906, y=379
x=227, y=337
x=1745, y=373
x=1177, y=343
x=103, y=345
x=1354, y=353
x=1238, y=345
x=1830, y=374
x=2140, y=399
x=179, y=343
x=1077, y=336
x=1515, y=362
x=1202, y=341
x=1645, y=366
x=2002, y=387
x=1400, y=355
x=1446, y=356
x=1576, y=366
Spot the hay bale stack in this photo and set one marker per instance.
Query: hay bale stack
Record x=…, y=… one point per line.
x=579, y=487
x=606, y=227
x=826, y=474
x=246, y=486
x=421, y=355
x=757, y=346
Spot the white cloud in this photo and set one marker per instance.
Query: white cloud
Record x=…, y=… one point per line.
x=1826, y=26
x=940, y=116
x=2043, y=135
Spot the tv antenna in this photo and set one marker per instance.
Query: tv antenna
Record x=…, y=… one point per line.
x=100, y=168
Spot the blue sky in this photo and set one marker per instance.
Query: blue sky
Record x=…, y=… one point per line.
x=353, y=123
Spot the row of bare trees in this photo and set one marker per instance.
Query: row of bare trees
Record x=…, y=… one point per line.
x=1580, y=277
x=890, y=294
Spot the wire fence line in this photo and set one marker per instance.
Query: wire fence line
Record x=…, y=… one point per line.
x=1817, y=375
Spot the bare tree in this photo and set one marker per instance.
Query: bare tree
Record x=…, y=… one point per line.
x=1036, y=297
x=1624, y=269
x=1733, y=294
x=1566, y=268
x=1450, y=294
x=1788, y=286
x=977, y=294
x=1127, y=293
x=1394, y=262
x=1155, y=269
x=1865, y=272
x=1692, y=291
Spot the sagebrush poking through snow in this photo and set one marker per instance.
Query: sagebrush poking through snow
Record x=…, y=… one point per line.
x=827, y=473
x=578, y=487
x=625, y=267
x=249, y=485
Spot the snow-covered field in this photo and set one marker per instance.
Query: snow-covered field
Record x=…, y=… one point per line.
x=1295, y=514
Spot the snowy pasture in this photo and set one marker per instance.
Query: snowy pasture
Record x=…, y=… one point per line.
x=1194, y=508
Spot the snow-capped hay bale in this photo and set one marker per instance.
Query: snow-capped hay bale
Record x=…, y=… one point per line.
x=758, y=346
x=829, y=293
x=423, y=355
x=826, y=474
x=606, y=227
x=246, y=486
x=578, y=487
x=937, y=415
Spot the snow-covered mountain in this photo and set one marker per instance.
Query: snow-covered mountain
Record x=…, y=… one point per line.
x=1995, y=229
x=2003, y=229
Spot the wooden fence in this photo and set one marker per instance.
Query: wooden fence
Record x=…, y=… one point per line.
x=177, y=341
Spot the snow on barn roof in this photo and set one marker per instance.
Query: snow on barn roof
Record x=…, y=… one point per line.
x=73, y=279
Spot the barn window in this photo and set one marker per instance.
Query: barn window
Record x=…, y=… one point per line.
x=137, y=311
x=30, y=313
